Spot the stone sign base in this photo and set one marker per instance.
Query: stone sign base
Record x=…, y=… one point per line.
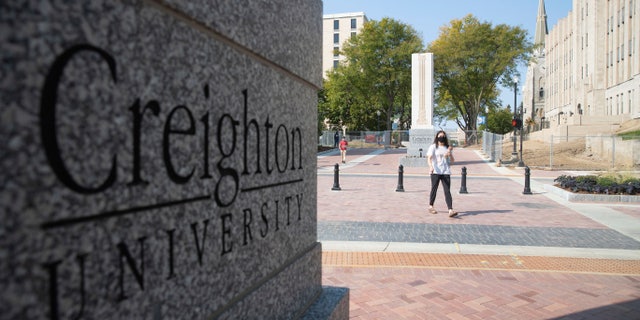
x=419, y=142
x=413, y=162
x=333, y=303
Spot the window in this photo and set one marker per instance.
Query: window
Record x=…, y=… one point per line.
x=336, y=52
x=586, y=68
x=622, y=52
x=336, y=24
x=336, y=63
x=353, y=23
x=353, y=34
x=611, y=24
x=336, y=38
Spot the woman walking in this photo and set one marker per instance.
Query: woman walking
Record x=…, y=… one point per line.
x=440, y=159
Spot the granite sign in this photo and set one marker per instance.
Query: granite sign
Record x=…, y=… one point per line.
x=159, y=161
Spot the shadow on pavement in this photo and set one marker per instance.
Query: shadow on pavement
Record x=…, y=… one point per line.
x=475, y=213
x=624, y=310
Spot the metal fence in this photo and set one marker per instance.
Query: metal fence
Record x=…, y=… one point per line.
x=579, y=152
x=371, y=139
x=595, y=152
x=492, y=145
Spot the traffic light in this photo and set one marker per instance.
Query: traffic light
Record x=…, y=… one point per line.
x=516, y=123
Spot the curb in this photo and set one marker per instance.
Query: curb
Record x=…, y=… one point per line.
x=581, y=197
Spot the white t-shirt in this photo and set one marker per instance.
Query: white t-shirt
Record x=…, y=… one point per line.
x=438, y=161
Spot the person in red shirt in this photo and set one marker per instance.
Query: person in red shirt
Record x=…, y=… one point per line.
x=343, y=149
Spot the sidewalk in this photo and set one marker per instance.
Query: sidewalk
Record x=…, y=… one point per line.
x=506, y=256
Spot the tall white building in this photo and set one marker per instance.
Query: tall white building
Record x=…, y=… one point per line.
x=336, y=29
x=589, y=71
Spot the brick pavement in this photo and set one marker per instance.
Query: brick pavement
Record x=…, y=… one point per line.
x=428, y=285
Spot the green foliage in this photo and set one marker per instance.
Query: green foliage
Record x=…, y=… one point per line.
x=375, y=77
x=606, y=181
x=604, y=184
x=470, y=59
x=499, y=121
x=632, y=135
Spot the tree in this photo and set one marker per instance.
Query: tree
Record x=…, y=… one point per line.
x=376, y=76
x=470, y=59
x=499, y=120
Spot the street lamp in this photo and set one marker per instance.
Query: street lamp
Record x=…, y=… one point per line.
x=514, y=153
x=521, y=162
x=378, y=125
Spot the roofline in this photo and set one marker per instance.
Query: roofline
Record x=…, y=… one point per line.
x=343, y=15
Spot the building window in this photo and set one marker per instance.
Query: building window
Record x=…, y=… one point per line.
x=586, y=67
x=336, y=52
x=353, y=34
x=336, y=63
x=336, y=24
x=336, y=38
x=353, y=23
x=622, y=52
x=611, y=24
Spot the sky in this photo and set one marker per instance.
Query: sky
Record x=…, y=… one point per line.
x=427, y=16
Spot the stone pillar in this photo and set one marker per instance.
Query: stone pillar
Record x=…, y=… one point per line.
x=159, y=160
x=422, y=131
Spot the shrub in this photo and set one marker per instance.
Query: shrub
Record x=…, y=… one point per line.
x=604, y=184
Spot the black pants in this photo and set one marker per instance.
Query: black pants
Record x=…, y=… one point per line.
x=446, y=184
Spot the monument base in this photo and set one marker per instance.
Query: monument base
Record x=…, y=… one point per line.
x=413, y=162
x=333, y=304
x=419, y=142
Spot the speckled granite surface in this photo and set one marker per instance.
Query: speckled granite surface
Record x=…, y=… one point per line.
x=158, y=159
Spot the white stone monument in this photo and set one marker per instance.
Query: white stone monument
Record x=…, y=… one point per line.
x=422, y=130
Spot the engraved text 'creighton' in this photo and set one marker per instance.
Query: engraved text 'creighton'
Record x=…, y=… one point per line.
x=266, y=149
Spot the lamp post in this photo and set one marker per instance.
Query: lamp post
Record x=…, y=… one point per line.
x=521, y=162
x=378, y=126
x=514, y=153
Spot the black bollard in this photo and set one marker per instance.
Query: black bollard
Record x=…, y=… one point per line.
x=336, y=178
x=527, y=181
x=400, y=187
x=463, y=184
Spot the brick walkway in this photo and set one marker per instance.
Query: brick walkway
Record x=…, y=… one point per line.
x=506, y=256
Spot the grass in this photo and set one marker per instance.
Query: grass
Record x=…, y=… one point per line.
x=631, y=135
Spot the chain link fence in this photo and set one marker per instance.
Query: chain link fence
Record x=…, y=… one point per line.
x=600, y=152
x=373, y=139
x=492, y=145
x=590, y=152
